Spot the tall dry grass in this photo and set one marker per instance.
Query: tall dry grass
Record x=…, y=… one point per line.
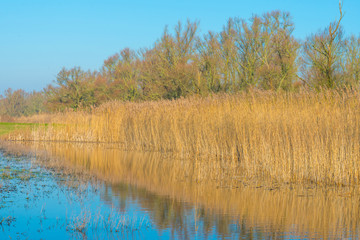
x=287, y=137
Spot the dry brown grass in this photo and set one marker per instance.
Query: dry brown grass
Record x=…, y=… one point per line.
x=287, y=137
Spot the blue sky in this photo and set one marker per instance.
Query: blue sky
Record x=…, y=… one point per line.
x=39, y=37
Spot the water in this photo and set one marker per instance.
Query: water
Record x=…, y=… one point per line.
x=92, y=191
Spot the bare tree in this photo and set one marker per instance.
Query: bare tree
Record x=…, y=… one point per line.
x=14, y=102
x=73, y=89
x=121, y=73
x=248, y=45
x=169, y=69
x=323, y=55
x=278, y=52
x=352, y=62
x=228, y=57
x=209, y=54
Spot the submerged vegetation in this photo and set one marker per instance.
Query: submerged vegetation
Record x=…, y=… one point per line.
x=38, y=202
x=216, y=204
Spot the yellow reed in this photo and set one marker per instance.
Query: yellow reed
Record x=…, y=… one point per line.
x=286, y=137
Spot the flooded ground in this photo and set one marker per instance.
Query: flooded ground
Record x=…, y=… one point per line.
x=92, y=191
x=38, y=203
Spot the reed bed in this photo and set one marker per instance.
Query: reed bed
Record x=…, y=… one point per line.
x=286, y=137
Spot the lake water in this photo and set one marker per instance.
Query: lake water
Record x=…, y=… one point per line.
x=96, y=191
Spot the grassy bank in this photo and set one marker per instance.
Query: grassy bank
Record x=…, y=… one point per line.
x=287, y=137
x=9, y=127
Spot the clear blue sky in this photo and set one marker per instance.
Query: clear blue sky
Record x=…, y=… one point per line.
x=39, y=37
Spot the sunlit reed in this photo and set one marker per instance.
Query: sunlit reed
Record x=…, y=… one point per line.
x=287, y=137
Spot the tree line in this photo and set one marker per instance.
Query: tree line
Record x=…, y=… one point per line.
x=258, y=53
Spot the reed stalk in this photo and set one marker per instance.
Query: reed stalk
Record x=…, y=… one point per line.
x=287, y=137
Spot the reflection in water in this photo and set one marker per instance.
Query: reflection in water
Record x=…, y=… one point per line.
x=192, y=200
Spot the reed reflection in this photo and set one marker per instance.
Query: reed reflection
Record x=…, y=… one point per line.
x=193, y=196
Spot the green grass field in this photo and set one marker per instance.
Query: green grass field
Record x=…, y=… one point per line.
x=6, y=127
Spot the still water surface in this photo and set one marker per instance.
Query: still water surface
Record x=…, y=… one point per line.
x=93, y=191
